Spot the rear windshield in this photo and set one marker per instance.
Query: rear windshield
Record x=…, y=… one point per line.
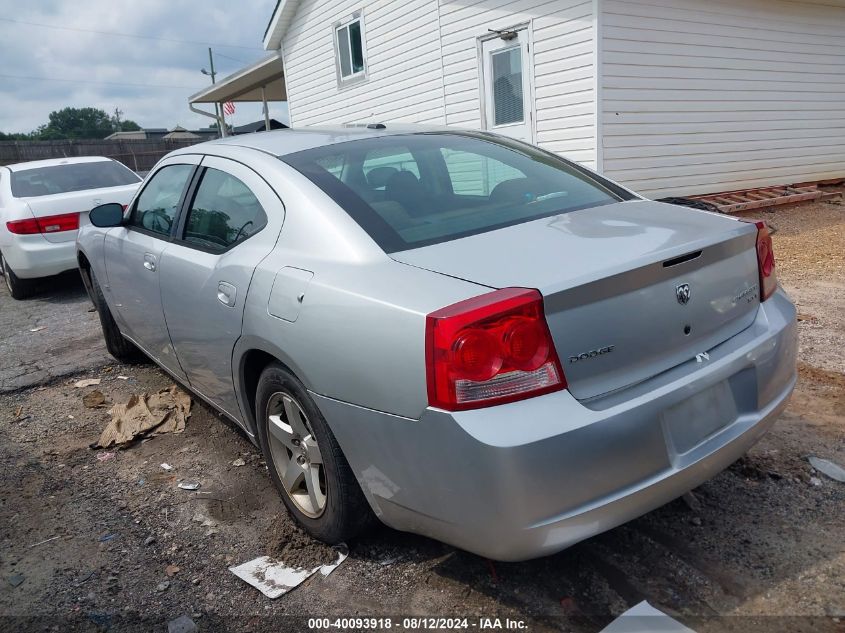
x=46, y=181
x=413, y=190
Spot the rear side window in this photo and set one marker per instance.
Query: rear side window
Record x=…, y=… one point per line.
x=224, y=212
x=47, y=181
x=158, y=203
x=413, y=190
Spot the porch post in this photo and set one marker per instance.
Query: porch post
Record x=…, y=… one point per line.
x=266, y=110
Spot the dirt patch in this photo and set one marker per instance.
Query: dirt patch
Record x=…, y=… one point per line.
x=292, y=546
x=809, y=246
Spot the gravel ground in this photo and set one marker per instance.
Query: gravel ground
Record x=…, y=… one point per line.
x=758, y=548
x=53, y=334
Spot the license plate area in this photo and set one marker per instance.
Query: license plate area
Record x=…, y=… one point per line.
x=690, y=422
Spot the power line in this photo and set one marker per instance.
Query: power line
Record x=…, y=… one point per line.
x=117, y=34
x=88, y=81
x=234, y=59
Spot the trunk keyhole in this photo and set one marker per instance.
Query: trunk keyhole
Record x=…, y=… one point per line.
x=687, y=330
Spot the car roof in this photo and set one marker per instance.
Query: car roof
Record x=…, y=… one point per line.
x=290, y=140
x=54, y=162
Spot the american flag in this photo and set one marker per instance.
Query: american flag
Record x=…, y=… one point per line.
x=229, y=108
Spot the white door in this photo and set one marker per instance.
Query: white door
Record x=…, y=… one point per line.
x=507, y=85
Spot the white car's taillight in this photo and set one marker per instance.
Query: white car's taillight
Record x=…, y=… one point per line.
x=47, y=224
x=490, y=349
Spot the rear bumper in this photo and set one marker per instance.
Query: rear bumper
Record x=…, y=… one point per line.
x=32, y=256
x=530, y=478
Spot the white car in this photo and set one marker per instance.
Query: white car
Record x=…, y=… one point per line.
x=42, y=205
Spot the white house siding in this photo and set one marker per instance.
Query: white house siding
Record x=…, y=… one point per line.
x=403, y=64
x=564, y=73
x=702, y=97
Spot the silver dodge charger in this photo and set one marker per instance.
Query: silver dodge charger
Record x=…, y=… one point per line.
x=459, y=334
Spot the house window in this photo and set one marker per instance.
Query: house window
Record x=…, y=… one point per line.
x=349, y=43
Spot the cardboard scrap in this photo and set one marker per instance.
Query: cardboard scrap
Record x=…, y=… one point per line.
x=644, y=618
x=273, y=578
x=87, y=382
x=147, y=415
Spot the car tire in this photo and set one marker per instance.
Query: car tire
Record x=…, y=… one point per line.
x=345, y=513
x=118, y=346
x=17, y=287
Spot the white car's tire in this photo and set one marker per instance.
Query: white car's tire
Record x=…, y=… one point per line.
x=17, y=287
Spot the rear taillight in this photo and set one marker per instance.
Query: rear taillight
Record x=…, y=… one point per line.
x=47, y=224
x=765, y=262
x=490, y=349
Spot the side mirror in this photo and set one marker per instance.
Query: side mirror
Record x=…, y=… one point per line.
x=107, y=215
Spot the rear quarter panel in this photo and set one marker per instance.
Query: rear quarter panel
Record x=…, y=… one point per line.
x=359, y=335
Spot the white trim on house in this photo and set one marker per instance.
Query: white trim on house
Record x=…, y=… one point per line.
x=597, y=85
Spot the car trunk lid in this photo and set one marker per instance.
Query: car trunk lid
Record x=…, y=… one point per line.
x=76, y=202
x=630, y=289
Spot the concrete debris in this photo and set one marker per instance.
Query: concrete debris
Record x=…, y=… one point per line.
x=163, y=586
x=189, y=485
x=644, y=618
x=182, y=624
x=827, y=467
x=167, y=466
x=147, y=415
x=239, y=462
x=815, y=481
x=87, y=382
x=273, y=578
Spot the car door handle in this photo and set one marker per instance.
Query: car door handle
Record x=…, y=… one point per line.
x=227, y=294
x=149, y=262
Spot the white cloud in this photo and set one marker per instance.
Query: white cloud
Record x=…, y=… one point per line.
x=168, y=71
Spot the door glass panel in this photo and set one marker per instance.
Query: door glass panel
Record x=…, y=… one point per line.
x=223, y=213
x=158, y=203
x=507, y=86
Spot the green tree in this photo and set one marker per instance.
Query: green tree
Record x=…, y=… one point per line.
x=76, y=123
x=129, y=126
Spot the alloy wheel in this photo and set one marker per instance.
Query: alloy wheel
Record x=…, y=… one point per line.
x=296, y=456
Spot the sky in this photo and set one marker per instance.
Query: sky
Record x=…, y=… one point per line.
x=45, y=69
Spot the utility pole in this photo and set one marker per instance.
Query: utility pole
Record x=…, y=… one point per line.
x=117, y=113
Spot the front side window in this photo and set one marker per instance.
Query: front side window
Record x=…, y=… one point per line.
x=349, y=42
x=46, y=181
x=224, y=212
x=158, y=203
x=413, y=190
